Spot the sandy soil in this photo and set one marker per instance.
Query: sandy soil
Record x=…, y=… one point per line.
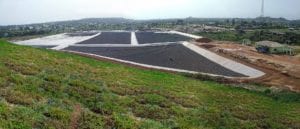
x=281, y=70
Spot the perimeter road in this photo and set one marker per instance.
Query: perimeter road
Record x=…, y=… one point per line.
x=67, y=44
x=187, y=35
x=134, y=41
x=56, y=42
x=227, y=63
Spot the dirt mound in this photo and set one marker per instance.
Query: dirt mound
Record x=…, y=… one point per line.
x=208, y=46
x=203, y=40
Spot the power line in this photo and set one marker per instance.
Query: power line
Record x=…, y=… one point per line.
x=262, y=8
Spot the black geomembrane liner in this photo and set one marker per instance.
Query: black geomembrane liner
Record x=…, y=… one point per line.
x=151, y=37
x=110, y=38
x=172, y=56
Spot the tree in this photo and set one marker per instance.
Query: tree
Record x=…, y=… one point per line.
x=227, y=21
x=179, y=22
x=233, y=22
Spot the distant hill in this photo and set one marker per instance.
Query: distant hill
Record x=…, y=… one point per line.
x=296, y=22
x=103, y=20
x=270, y=19
x=119, y=20
x=118, y=23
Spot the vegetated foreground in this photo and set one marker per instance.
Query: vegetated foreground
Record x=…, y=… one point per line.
x=42, y=88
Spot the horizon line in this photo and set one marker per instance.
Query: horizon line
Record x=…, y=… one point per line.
x=143, y=19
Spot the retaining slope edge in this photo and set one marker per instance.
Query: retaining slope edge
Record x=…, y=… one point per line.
x=227, y=63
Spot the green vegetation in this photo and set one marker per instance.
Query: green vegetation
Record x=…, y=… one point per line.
x=277, y=35
x=42, y=89
x=225, y=36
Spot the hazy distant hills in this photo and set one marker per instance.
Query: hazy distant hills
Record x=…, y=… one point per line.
x=103, y=20
x=119, y=20
x=296, y=22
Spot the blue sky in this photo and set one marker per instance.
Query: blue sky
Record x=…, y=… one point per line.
x=35, y=11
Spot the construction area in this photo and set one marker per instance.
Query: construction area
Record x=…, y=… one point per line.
x=168, y=51
x=282, y=70
x=273, y=48
x=180, y=52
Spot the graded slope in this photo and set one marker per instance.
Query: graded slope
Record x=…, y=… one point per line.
x=152, y=37
x=110, y=38
x=170, y=56
x=48, y=89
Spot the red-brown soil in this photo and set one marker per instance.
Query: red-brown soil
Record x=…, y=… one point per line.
x=282, y=71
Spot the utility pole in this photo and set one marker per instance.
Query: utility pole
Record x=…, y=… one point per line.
x=262, y=8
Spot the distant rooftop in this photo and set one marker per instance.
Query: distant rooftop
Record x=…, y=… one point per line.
x=269, y=44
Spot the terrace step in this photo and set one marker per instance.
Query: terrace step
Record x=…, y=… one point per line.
x=133, y=39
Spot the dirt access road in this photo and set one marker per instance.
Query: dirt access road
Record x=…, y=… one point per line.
x=281, y=70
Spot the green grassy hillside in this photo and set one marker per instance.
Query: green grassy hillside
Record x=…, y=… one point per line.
x=42, y=88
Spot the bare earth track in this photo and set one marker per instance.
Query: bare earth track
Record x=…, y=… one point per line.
x=281, y=71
